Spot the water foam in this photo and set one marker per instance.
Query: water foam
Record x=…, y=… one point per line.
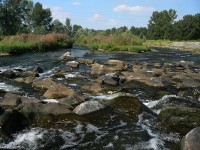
x=8, y=88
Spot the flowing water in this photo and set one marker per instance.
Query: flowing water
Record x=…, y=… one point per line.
x=113, y=134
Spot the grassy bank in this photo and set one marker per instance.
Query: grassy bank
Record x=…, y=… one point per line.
x=33, y=43
x=117, y=42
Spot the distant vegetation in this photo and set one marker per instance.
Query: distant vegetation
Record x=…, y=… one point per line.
x=24, y=17
x=34, y=43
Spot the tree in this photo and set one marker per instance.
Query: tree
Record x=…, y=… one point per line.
x=189, y=27
x=75, y=28
x=160, y=24
x=41, y=19
x=57, y=27
x=68, y=27
x=13, y=15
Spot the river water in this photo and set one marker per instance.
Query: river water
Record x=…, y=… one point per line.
x=91, y=135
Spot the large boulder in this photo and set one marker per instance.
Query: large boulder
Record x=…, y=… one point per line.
x=88, y=107
x=12, y=100
x=192, y=140
x=43, y=112
x=58, y=91
x=43, y=84
x=179, y=119
x=12, y=121
x=74, y=99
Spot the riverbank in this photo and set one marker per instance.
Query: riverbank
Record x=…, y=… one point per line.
x=193, y=46
x=26, y=43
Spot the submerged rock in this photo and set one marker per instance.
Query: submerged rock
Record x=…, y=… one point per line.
x=88, y=107
x=179, y=119
x=58, y=91
x=192, y=140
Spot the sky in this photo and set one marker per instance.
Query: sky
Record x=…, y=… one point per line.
x=104, y=14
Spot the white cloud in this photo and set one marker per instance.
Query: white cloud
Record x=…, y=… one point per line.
x=96, y=17
x=76, y=3
x=133, y=9
x=59, y=13
x=112, y=21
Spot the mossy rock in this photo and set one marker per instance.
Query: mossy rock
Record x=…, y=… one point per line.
x=128, y=108
x=179, y=119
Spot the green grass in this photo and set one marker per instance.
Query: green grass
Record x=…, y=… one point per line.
x=115, y=48
x=33, y=43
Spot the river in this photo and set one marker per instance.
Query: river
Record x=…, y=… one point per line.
x=90, y=135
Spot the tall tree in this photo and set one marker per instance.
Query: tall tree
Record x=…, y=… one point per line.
x=41, y=19
x=13, y=15
x=161, y=23
x=57, y=27
x=68, y=27
x=75, y=28
x=189, y=27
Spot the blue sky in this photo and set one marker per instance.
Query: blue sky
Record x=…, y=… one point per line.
x=104, y=14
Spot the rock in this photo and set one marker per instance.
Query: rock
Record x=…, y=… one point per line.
x=73, y=64
x=43, y=84
x=137, y=68
x=118, y=65
x=28, y=80
x=179, y=119
x=97, y=68
x=38, y=70
x=88, y=107
x=58, y=91
x=12, y=121
x=43, y=112
x=1, y=110
x=66, y=56
x=111, y=79
x=110, y=66
x=128, y=109
x=94, y=88
x=132, y=76
x=2, y=93
x=64, y=70
x=154, y=82
x=8, y=74
x=74, y=99
x=12, y=100
x=86, y=61
x=191, y=140
x=31, y=74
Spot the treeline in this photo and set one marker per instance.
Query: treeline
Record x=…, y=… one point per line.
x=23, y=16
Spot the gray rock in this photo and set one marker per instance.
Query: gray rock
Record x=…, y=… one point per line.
x=12, y=121
x=88, y=107
x=86, y=61
x=192, y=140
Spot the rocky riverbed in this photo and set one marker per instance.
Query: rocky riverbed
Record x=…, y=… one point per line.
x=84, y=99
